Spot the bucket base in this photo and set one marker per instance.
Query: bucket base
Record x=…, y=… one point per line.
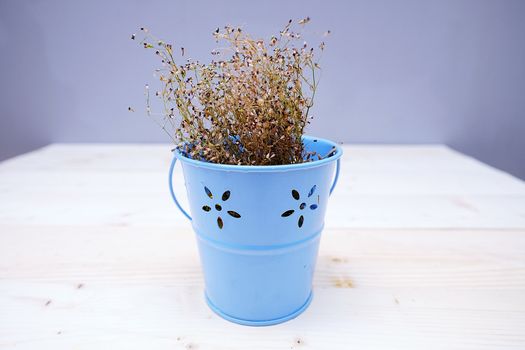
x=262, y=322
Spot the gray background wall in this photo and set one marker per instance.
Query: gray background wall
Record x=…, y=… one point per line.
x=447, y=71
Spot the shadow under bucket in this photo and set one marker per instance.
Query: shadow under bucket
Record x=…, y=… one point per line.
x=258, y=230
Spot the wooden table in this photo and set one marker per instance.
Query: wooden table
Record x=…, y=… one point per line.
x=424, y=248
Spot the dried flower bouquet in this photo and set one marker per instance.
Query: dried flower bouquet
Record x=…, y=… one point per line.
x=249, y=106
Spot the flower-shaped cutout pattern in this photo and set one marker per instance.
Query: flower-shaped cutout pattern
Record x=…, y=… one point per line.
x=302, y=205
x=218, y=207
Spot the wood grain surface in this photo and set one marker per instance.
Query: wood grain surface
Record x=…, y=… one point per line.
x=424, y=248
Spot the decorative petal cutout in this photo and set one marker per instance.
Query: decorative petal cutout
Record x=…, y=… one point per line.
x=313, y=206
x=206, y=208
x=218, y=207
x=287, y=213
x=301, y=220
x=234, y=214
x=226, y=195
x=295, y=195
x=312, y=190
x=302, y=206
x=219, y=222
x=208, y=192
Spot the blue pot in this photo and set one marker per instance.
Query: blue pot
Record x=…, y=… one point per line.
x=258, y=231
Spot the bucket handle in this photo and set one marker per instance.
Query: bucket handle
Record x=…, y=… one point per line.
x=336, y=175
x=172, y=166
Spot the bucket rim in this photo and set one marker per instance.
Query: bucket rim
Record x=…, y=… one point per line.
x=267, y=168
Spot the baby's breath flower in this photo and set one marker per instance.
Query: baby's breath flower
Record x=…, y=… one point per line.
x=250, y=108
x=304, y=20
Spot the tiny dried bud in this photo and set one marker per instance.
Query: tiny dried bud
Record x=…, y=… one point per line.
x=304, y=20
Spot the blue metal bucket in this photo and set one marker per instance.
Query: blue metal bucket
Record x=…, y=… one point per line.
x=258, y=231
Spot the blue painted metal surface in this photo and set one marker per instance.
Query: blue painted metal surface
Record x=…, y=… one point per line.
x=258, y=230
